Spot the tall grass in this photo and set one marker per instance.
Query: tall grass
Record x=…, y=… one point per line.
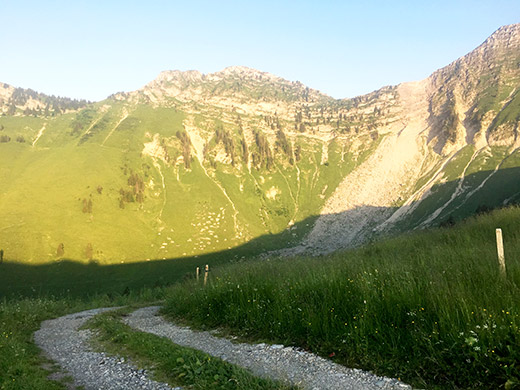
x=430, y=308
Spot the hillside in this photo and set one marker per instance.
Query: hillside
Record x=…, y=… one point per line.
x=20, y=101
x=431, y=308
x=197, y=163
x=453, y=150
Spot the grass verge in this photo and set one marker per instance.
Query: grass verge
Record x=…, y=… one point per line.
x=430, y=308
x=21, y=362
x=176, y=365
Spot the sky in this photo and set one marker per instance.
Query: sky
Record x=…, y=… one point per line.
x=91, y=49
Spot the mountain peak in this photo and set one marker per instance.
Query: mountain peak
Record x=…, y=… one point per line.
x=195, y=75
x=244, y=71
x=505, y=37
x=233, y=83
x=175, y=75
x=506, y=31
x=239, y=69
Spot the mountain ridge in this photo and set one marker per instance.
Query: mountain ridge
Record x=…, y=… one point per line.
x=508, y=34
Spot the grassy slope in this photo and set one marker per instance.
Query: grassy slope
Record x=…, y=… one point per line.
x=43, y=188
x=482, y=186
x=437, y=293
x=430, y=308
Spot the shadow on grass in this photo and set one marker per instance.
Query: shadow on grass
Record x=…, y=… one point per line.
x=76, y=279
x=72, y=278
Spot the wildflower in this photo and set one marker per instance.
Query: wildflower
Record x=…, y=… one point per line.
x=471, y=340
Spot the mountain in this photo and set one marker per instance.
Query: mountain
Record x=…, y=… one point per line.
x=196, y=163
x=453, y=150
x=19, y=100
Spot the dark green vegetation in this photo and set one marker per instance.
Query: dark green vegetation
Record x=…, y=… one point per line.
x=430, y=308
x=176, y=365
x=42, y=105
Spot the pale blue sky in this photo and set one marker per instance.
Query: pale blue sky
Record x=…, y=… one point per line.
x=91, y=49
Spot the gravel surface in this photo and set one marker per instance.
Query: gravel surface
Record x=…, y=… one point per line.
x=273, y=361
x=62, y=341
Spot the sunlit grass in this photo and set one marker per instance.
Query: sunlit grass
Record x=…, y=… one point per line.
x=431, y=308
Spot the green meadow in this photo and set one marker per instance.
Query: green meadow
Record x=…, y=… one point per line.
x=81, y=183
x=431, y=308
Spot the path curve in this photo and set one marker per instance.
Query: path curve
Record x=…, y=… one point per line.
x=273, y=361
x=63, y=342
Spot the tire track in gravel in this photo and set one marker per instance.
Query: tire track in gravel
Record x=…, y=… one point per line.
x=63, y=342
x=287, y=364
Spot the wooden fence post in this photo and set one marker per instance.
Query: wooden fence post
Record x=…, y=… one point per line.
x=197, y=273
x=500, y=251
x=206, y=270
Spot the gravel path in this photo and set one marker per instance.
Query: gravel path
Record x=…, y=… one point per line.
x=62, y=341
x=274, y=361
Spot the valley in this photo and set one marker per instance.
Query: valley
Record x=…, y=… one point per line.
x=169, y=221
